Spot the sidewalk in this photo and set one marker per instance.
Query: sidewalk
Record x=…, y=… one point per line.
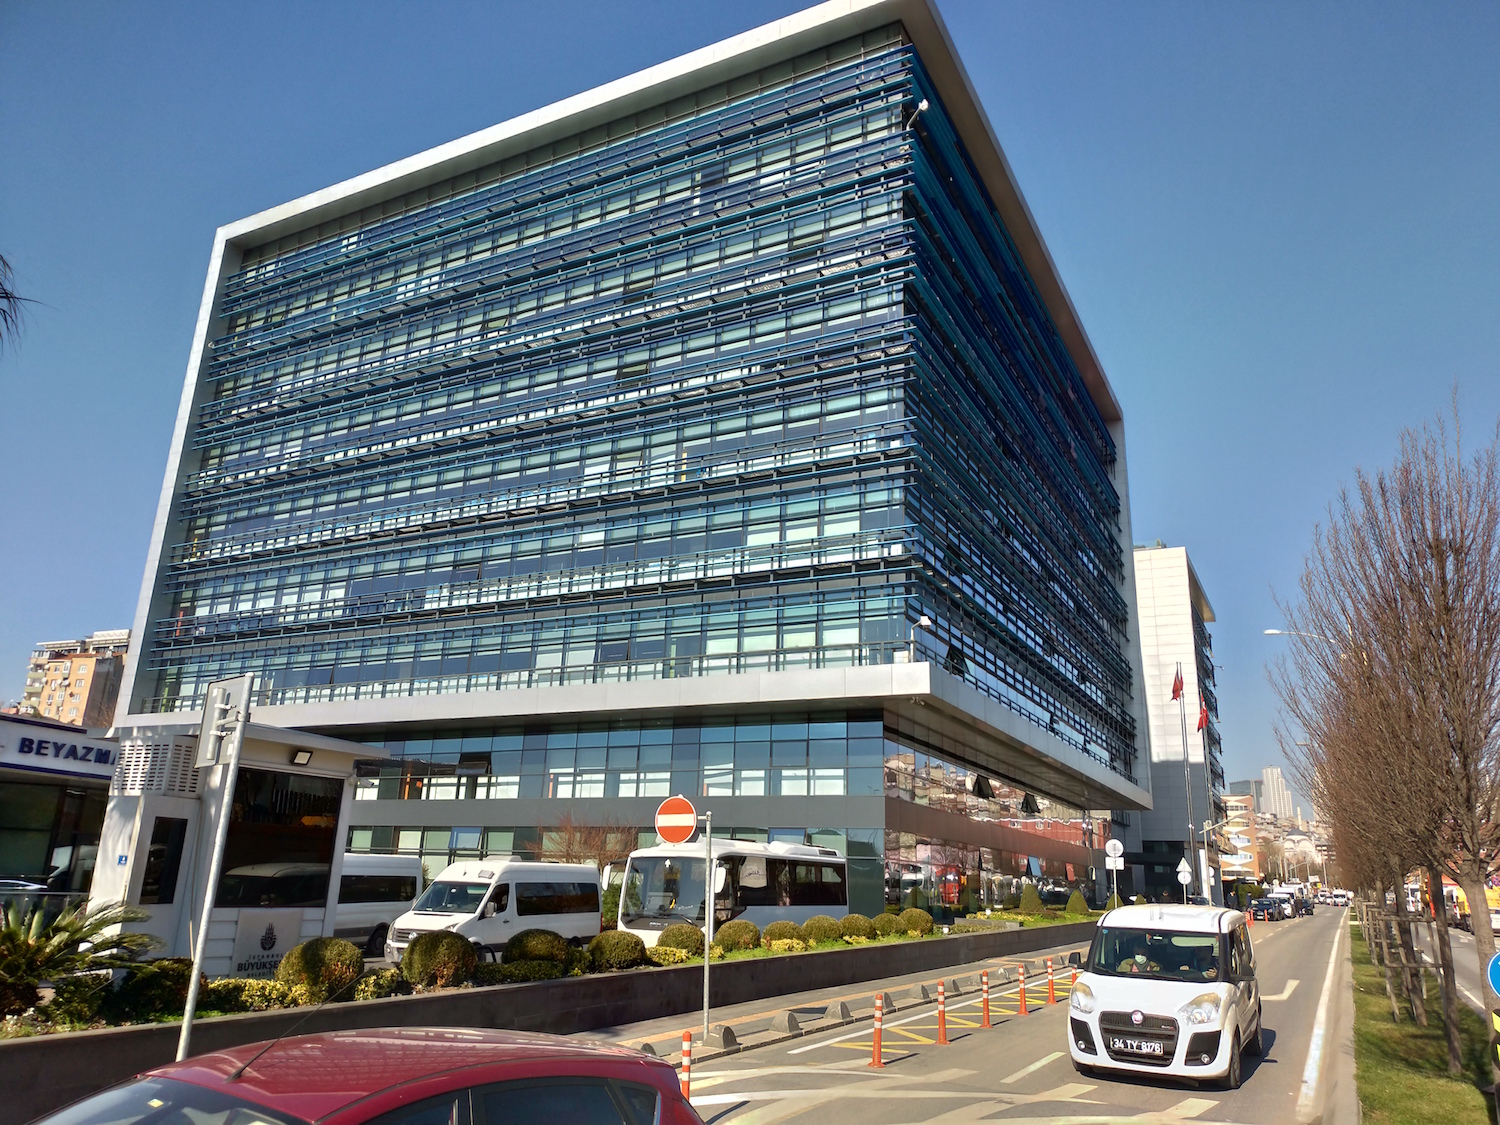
x=1340, y=1095
x=760, y=1023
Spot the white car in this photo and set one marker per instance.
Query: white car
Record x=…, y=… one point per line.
x=1167, y=990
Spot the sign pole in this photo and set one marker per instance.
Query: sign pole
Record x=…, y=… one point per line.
x=708, y=909
x=215, y=864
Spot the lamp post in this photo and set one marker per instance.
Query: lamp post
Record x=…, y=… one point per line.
x=924, y=623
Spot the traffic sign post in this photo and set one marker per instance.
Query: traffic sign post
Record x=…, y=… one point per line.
x=1114, y=860
x=676, y=821
x=1492, y=975
x=1185, y=877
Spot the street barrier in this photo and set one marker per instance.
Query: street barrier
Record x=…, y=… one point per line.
x=1021, y=996
x=1051, y=987
x=942, y=1036
x=984, y=984
x=875, y=1059
x=687, y=1062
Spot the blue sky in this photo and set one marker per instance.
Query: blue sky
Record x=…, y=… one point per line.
x=1278, y=223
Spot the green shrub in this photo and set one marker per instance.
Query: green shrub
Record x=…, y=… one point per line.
x=150, y=990
x=537, y=945
x=857, y=925
x=1012, y=902
x=738, y=934
x=325, y=966
x=380, y=984
x=77, y=940
x=1140, y=900
x=438, y=959
x=616, y=949
x=242, y=994
x=916, y=921
x=1114, y=901
x=667, y=955
x=786, y=945
x=77, y=998
x=681, y=935
x=1031, y=902
x=782, y=931
x=609, y=908
x=1077, y=904
x=820, y=927
x=517, y=972
x=886, y=924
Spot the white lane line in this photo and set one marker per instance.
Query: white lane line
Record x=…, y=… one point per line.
x=1285, y=993
x=1032, y=1069
x=1189, y=1108
x=919, y=1016
x=1314, y=1065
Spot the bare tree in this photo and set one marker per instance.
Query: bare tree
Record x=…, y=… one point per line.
x=577, y=841
x=11, y=304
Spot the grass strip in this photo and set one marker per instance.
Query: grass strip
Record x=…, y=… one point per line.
x=1400, y=1069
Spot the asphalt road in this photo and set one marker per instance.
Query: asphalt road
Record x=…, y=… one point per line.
x=1019, y=1070
x=1465, y=964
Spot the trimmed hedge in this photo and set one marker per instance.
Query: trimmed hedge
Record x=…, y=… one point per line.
x=914, y=920
x=1139, y=900
x=1114, y=901
x=1031, y=902
x=1077, y=904
x=857, y=925
x=536, y=945
x=820, y=927
x=517, y=972
x=325, y=966
x=667, y=955
x=738, y=934
x=438, y=959
x=782, y=931
x=380, y=984
x=616, y=949
x=242, y=994
x=683, y=936
x=886, y=924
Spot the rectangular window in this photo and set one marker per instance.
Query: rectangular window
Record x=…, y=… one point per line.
x=163, y=861
x=377, y=888
x=281, y=839
x=556, y=898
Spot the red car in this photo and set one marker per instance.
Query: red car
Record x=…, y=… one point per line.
x=398, y=1076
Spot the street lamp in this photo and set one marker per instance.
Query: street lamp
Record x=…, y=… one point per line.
x=921, y=108
x=925, y=623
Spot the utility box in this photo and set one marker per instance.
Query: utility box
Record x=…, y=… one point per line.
x=289, y=821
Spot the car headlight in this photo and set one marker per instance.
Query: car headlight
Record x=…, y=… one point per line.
x=1082, y=998
x=1202, y=1009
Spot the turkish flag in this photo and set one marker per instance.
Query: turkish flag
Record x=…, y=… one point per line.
x=1177, y=685
x=1202, y=712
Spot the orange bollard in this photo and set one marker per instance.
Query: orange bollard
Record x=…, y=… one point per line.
x=687, y=1061
x=875, y=1059
x=942, y=1016
x=984, y=980
x=1051, y=987
x=1072, y=984
x=1022, y=996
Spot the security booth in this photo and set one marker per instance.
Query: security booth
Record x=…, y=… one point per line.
x=283, y=851
x=54, y=782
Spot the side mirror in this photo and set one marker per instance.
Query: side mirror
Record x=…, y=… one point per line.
x=489, y=910
x=721, y=877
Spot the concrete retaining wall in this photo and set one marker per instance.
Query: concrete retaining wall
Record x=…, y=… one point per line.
x=46, y=1072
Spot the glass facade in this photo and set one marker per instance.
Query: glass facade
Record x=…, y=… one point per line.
x=750, y=381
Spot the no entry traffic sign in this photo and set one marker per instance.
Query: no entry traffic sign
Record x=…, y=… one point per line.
x=676, y=820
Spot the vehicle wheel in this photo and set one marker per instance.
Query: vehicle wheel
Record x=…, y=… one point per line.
x=375, y=945
x=1231, y=1080
x=1257, y=1044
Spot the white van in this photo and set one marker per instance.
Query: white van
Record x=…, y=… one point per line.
x=1170, y=991
x=375, y=890
x=491, y=900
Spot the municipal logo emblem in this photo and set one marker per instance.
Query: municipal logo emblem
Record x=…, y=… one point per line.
x=268, y=939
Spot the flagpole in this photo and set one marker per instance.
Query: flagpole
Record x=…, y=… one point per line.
x=1187, y=776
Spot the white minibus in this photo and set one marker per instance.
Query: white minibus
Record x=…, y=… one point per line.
x=491, y=900
x=375, y=890
x=761, y=883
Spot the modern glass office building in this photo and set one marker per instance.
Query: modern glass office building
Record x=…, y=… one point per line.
x=723, y=430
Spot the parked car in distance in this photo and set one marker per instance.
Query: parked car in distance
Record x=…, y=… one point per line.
x=491, y=900
x=1167, y=991
x=401, y=1076
x=1265, y=910
x=375, y=890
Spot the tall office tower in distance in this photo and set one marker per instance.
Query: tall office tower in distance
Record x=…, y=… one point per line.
x=723, y=430
x=1175, y=615
x=1277, y=795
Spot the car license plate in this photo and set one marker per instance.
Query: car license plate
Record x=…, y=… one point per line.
x=1136, y=1046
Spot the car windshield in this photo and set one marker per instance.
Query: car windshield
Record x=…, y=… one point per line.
x=1157, y=954
x=164, y=1101
x=663, y=887
x=452, y=898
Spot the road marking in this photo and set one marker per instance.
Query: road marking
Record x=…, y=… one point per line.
x=864, y=1032
x=1285, y=993
x=1188, y=1108
x=1320, y=1028
x=1032, y=1069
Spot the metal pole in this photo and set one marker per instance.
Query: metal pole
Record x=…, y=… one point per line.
x=1187, y=780
x=221, y=834
x=708, y=909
